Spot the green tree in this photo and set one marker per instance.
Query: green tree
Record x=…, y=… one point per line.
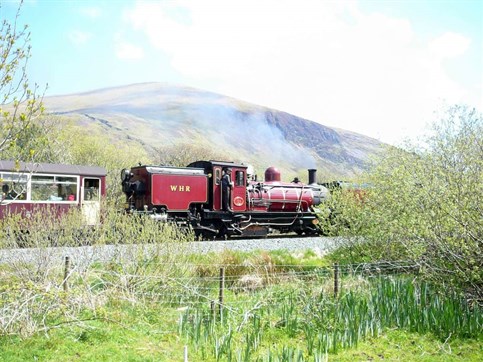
x=95, y=148
x=20, y=106
x=39, y=142
x=425, y=204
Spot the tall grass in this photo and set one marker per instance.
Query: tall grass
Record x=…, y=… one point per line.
x=419, y=308
x=289, y=313
x=32, y=297
x=46, y=228
x=308, y=326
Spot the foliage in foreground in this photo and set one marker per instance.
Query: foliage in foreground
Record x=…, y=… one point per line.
x=424, y=204
x=45, y=228
x=20, y=105
x=140, y=338
x=314, y=324
x=150, y=303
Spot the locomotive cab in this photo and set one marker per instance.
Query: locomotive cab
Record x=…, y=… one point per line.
x=238, y=175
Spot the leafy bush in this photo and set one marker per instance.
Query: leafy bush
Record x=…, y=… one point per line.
x=424, y=205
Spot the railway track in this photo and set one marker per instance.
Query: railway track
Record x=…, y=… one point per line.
x=86, y=255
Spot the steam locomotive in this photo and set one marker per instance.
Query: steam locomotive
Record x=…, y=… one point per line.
x=193, y=196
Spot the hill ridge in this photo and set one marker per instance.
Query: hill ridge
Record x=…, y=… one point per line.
x=156, y=114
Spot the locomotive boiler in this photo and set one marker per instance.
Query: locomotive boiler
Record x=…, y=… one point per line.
x=193, y=196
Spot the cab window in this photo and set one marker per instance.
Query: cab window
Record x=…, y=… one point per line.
x=240, y=178
x=217, y=176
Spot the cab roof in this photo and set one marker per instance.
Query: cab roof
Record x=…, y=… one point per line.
x=211, y=163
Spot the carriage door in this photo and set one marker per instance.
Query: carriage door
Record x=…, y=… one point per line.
x=239, y=191
x=217, y=173
x=91, y=200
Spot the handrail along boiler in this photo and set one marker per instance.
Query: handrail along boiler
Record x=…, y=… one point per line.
x=192, y=196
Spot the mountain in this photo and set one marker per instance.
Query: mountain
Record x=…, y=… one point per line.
x=156, y=114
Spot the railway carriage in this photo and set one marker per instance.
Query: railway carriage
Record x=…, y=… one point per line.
x=193, y=196
x=31, y=187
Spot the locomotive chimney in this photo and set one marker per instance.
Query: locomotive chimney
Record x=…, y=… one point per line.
x=312, y=176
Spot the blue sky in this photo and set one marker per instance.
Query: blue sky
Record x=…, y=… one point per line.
x=380, y=68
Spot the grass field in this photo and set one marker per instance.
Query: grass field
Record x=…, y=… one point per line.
x=276, y=307
x=146, y=336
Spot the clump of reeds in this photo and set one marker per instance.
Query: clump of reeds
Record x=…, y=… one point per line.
x=321, y=324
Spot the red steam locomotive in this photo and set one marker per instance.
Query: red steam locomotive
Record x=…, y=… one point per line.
x=195, y=196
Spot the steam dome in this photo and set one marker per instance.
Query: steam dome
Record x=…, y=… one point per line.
x=272, y=174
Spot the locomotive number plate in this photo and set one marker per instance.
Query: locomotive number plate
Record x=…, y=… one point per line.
x=238, y=201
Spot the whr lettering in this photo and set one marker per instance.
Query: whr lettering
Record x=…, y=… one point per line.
x=180, y=188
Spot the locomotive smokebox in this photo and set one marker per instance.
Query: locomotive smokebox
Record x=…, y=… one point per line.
x=312, y=176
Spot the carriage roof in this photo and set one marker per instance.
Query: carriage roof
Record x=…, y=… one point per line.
x=61, y=169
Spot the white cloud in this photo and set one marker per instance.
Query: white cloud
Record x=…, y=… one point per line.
x=91, y=12
x=326, y=61
x=449, y=45
x=128, y=51
x=78, y=37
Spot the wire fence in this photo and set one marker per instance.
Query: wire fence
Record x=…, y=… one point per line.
x=165, y=284
x=30, y=292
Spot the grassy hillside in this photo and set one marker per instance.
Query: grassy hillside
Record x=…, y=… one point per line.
x=156, y=114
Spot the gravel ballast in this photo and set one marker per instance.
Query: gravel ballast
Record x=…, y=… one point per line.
x=85, y=255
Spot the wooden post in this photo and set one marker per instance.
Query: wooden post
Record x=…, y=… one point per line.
x=220, y=295
x=336, y=279
x=66, y=273
x=213, y=309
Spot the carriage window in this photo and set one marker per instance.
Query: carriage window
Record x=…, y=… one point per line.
x=240, y=178
x=53, y=188
x=68, y=187
x=91, y=189
x=44, y=188
x=13, y=186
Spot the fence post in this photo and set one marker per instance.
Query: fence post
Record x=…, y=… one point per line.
x=66, y=274
x=213, y=308
x=185, y=353
x=336, y=279
x=220, y=295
